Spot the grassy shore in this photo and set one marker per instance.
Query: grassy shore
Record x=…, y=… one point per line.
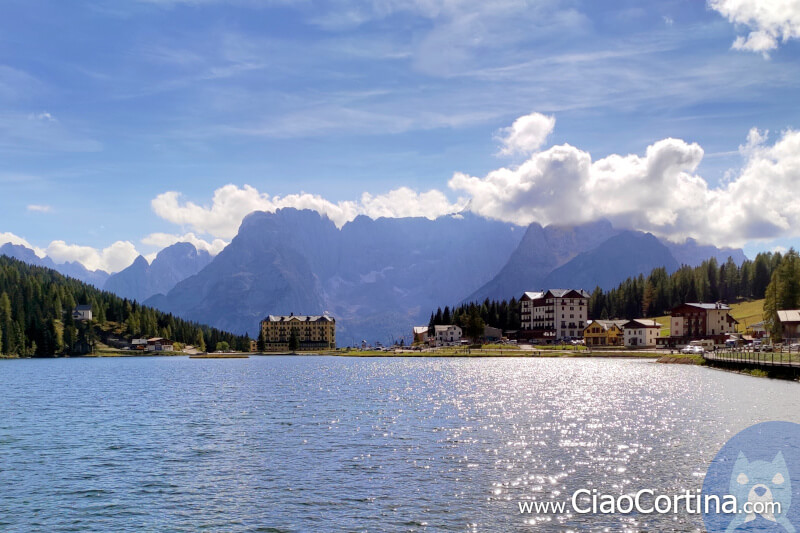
x=682, y=359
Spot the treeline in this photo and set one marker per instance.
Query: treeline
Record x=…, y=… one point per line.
x=783, y=292
x=659, y=292
x=472, y=317
x=36, y=316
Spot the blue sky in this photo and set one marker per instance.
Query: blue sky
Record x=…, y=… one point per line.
x=107, y=104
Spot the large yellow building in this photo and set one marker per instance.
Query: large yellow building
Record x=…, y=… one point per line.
x=316, y=332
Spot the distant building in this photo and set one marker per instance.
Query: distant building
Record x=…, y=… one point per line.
x=554, y=314
x=695, y=321
x=139, y=344
x=641, y=333
x=314, y=332
x=82, y=312
x=759, y=329
x=491, y=334
x=420, y=334
x=444, y=335
x=603, y=332
x=159, y=344
x=253, y=346
x=790, y=324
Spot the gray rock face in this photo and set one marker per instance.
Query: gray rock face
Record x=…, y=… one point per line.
x=377, y=277
x=541, y=251
x=693, y=254
x=172, y=264
x=380, y=277
x=622, y=256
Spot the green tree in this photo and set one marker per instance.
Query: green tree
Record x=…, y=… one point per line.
x=261, y=344
x=475, y=325
x=200, y=342
x=294, y=341
x=223, y=346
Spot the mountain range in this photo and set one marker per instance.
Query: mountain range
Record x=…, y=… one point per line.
x=379, y=277
x=71, y=269
x=173, y=264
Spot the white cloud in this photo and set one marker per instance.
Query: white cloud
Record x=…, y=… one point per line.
x=39, y=208
x=770, y=21
x=231, y=204
x=527, y=134
x=6, y=238
x=162, y=240
x=111, y=259
x=658, y=192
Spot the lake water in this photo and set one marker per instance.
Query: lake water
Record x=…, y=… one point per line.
x=324, y=443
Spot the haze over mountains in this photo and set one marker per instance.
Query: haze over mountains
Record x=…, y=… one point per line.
x=173, y=264
x=71, y=269
x=380, y=277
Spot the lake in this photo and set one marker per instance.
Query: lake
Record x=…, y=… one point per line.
x=358, y=444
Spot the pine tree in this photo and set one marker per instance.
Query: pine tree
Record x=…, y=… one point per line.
x=261, y=344
x=200, y=342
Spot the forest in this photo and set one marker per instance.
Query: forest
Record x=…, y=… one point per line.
x=36, y=316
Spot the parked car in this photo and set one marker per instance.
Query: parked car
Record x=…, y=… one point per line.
x=690, y=349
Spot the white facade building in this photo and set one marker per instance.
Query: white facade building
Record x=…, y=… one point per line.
x=82, y=312
x=641, y=333
x=444, y=335
x=555, y=314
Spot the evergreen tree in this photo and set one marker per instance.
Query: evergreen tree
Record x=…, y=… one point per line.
x=200, y=342
x=294, y=341
x=261, y=344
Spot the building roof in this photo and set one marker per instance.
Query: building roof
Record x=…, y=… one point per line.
x=83, y=308
x=532, y=295
x=444, y=328
x=561, y=293
x=420, y=329
x=642, y=323
x=605, y=324
x=789, y=315
x=718, y=305
x=299, y=318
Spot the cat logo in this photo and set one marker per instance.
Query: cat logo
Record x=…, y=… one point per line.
x=760, y=468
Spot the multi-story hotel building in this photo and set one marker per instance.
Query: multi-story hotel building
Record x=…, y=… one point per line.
x=691, y=321
x=554, y=314
x=316, y=332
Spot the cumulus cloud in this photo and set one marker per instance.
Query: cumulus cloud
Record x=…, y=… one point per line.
x=111, y=259
x=230, y=204
x=162, y=240
x=658, y=192
x=769, y=21
x=39, y=208
x=527, y=134
x=6, y=238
